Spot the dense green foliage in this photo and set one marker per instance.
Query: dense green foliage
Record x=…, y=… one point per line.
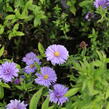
x=33, y=25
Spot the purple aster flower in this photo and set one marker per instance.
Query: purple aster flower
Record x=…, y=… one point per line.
x=46, y=77
x=16, y=104
x=102, y=3
x=57, y=54
x=30, y=68
x=30, y=58
x=57, y=95
x=8, y=71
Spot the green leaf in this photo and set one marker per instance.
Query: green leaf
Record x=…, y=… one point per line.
x=37, y=22
x=28, y=4
x=107, y=107
x=71, y=4
x=18, y=33
x=9, y=17
x=16, y=27
x=1, y=51
x=9, y=8
x=1, y=1
x=1, y=92
x=1, y=29
x=4, y=85
x=51, y=107
x=42, y=1
x=15, y=34
x=107, y=93
x=85, y=3
x=41, y=49
x=72, y=92
x=35, y=99
x=45, y=104
x=2, y=108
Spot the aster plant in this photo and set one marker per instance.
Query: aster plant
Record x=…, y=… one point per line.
x=57, y=54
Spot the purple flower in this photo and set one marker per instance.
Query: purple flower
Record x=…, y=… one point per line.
x=22, y=76
x=17, y=81
x=89, y=16
x=8, y=71
x=30, y=58
x=57, y=95
x=57, y=54
x=46, y=77
x=16, y=104
x=30, y=68
x=102, y=3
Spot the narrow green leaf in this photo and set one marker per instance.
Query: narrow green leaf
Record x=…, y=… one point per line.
x=72, y=92
x=35, y=99
x=1, y=29
x=18, y=33
x=1, y=51
x=41, y=49
x=9, y=17
x=45, y=104
x=16, y=27
x=1, y=92
x=37, y=22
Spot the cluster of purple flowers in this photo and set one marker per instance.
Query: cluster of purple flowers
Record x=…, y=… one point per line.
x=46, y=78
x=97, y=4
x=30, y=59
x=57, y=54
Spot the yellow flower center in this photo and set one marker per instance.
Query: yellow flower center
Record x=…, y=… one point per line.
x=56, y=53
x=32, y=65
x=45, y=76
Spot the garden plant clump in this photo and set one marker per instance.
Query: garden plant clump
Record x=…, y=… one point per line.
x=54, y=54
